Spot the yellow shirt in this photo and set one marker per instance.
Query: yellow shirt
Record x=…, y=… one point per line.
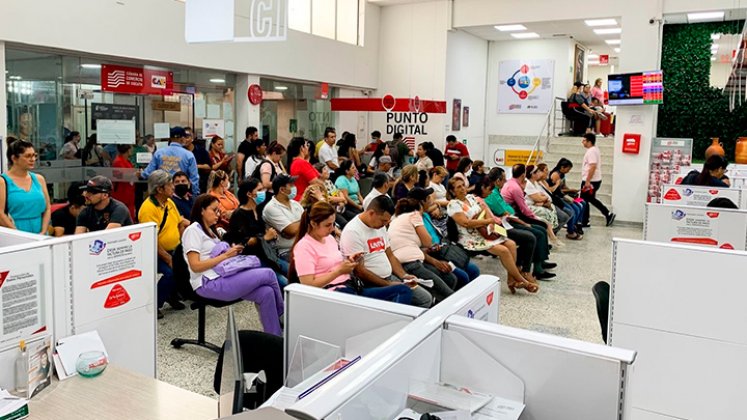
x=318, y=147
x=168, y=237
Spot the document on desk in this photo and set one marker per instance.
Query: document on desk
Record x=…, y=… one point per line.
x=448, y=396
x=12, y=407
x=69, y=348
x=500, y=409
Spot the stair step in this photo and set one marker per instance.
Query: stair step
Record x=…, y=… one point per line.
x=601, y=141
x=607, y=151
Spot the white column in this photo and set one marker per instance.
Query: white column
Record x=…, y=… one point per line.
x=641, y=44
x=3, y=108
x=246, y=114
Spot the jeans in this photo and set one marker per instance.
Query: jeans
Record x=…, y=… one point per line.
x=420, y=296
x=525, y=244
x=541, y=249
x=165, y=285
x=443, y=283
x=398, y=293
x=563, y=217
x=576, y=212
x=283, y=275
x=470, y=272
x=258, y=285
x=591, y=198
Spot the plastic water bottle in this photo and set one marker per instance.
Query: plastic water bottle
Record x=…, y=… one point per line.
x=22, y=371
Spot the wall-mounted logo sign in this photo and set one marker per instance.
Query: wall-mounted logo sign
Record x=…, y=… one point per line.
x=213, y=20
x=135, y=80
x=255, y=94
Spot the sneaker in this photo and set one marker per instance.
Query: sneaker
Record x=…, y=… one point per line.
x=585, y=225
x=176, y=304
x=579, y=230
x=547, y=265
x=574, y=236
x=611, y=219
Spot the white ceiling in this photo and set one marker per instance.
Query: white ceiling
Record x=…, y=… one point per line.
x=575, y=29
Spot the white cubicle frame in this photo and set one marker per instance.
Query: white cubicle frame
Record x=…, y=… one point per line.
x=12, y=237
x=684, y=314
x=729, y=226
x=698, y=195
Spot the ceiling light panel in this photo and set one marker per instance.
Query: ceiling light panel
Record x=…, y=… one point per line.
x=510, y=28
x=700, y=17
x=613, y=42
x=525, y=35
x=600, y=22
x=607, y=31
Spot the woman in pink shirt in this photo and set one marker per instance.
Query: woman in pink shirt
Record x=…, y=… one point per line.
x=316, y=259
x=597, y=91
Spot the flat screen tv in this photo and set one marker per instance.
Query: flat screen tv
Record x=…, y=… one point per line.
x=643, y=88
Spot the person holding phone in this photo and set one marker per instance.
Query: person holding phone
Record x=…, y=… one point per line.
x=316, y=259
x=220, y=160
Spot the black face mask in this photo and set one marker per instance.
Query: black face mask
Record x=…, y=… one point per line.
x=181, y=189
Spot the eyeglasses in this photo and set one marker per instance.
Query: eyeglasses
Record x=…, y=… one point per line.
x=215, y=210
x=30, y=155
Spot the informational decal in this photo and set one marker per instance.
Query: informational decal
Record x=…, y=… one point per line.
x=211, y=128
x=21, y=295
x=704, y=226
x=693, y=195
x=483, y=307
x=146, y=81
x=116, y=131
x=525, y=86
x=668, y=157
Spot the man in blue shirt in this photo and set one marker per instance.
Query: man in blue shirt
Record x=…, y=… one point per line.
x=176, y=158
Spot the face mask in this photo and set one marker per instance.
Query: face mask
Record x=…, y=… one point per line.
x=293, y=192
x=181, y=189
x=260, y=198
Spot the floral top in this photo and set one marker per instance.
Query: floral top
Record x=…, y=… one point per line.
x=470, y=239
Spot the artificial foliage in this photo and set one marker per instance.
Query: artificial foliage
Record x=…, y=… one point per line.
x=692, y=108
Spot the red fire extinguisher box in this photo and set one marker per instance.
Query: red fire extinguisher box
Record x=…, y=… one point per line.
x=631, y=143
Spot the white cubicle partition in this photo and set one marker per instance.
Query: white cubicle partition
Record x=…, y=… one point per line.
x=561, y=378
x=702, y=226
x=12, y=237
x=696, y=195
x=684, y=313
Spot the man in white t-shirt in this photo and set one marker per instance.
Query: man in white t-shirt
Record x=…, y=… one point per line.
x=366, y=233
x=379, y=186
x=327, y=153
x=591, y=179
x=283, y=214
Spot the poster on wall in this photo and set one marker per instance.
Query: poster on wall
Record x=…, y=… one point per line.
x=465, y=117
x=668, y=157
x=212, y=128
x=21, y=295
x=525, y=86
x=579, y=56
x=456, y=115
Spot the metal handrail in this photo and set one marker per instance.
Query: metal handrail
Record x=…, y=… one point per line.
x=546, y=129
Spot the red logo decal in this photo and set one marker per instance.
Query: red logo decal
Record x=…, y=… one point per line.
x=678, y=181
x=3, y=276
x=135, y=236
x=699, y=241
x=672, y=194
x=118, y=296
x=376, y=245
x=127, y=275
x=489, y=298
x=713, y=192
x=726, y=246
x=712, y=214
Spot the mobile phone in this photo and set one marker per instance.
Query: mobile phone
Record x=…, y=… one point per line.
x=357, y=257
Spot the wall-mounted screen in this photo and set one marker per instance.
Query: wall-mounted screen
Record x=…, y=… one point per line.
x=644, y=88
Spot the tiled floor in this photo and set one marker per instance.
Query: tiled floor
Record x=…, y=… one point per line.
x=564, y=306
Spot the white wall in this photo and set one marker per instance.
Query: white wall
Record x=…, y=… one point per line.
x=558, y=50
x=153, y=30
x=599, y=72
x=719, y=74
x=466, y=74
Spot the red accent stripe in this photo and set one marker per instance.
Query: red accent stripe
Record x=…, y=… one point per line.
x=375, y=105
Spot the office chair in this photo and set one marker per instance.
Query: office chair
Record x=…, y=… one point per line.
x=181, y=278
x=601, y=292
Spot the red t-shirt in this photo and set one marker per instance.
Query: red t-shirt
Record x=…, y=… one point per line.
x=305, y=173
x=459, y=150
x=124, y=191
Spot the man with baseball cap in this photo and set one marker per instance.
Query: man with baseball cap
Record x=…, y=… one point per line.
x=283, y=213
x=176, y=158
x=101, y=211
x=386, y=165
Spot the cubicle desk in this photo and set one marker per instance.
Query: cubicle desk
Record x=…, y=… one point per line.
x=119, y=394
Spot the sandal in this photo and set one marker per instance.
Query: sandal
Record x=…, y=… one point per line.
x=575, y=236
x=524, y=284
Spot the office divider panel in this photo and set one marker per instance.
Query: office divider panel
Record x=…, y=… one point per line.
x=696, y=195
x=684, y=313
x=562, y=378
x=702, y=226
x=11, y=237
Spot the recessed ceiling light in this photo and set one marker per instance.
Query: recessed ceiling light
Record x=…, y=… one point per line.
x=593, y=56
x=281, y=87
x=600, y=22
x=510, y=28
x=699, y=17
x=617, y=50
x=217, y=81
x=525, y=35
x=613, y=42
x=91, y=66
x=607, y=31
x=715, y=37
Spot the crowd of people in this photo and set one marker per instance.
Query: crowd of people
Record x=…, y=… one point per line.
x=299, y=214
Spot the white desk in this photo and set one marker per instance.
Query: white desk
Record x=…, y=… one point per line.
x=119, y=394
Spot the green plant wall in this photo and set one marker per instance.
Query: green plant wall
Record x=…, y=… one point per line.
x=692, y=108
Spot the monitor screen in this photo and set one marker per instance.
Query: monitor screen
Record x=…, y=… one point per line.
x=644, y=88
x=231, y=398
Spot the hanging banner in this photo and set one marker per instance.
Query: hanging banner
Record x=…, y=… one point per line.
x=702, y=226
x=135, y=80
x=525, y=86
x=694, y=195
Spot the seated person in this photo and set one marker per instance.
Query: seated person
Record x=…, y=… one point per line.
x=333, y=194
x=478, y=173
x=386, y=166
x=182, y=197
x=259, y=285
x=317, y=260
x=380, y=185
x=349, y=188
x=246, y=227
x=64, y=218
x=284, y=215
x=713, y=171
x=366, y=234
x=408, y=235
x=407, y=181
x=219, y=186
x=101, y=211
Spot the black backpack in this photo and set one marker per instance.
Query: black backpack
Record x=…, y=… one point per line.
x=256, y=174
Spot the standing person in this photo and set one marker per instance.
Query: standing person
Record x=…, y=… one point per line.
x=366, y=234
x=374, y=143
x=258, y=285
x=300, y=168
x=182, y=197
x=71, y=149
x=149, y=142
x=101, y=212
x=434, y=154
x=454, y=153
x=175, y=158
x=219, y=159
x=124, y=191
x=327, y=153
x=159, y=209
x=219, y=186
x=268, y=169
x=93, y=154
x=63, y=219
x=348, y=150
x=424, y=163
x=317, y=260
x=591, y=179
x=246, y=149
x=24, y=199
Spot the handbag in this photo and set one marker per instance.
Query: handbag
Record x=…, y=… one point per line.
x=234, y=264
x=453, y=253
x=492, y=231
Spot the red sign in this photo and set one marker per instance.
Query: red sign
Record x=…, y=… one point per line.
x=135, y=80
x=672, y=194
x=387, y=104
x=254, y=94
x=324, y=91
x=631, y=143
x=118, y=296
x=604, y=59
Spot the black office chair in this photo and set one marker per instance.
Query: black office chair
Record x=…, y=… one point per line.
x=601, y=292
x=259, y=351
x=181, y=277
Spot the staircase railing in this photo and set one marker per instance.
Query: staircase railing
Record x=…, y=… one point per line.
x=548, y=128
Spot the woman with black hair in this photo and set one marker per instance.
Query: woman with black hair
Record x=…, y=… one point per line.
x=348, y=186
x=93, y=154
x=465, y=164
x=24, y=200
x=712, y=174
x=300, y=167
x=347, y=149
x=562, y=196
x=381, y=150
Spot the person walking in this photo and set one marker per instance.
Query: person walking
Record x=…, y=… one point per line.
x=591, y=179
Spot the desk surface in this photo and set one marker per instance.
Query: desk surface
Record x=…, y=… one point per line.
x=119, y=394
